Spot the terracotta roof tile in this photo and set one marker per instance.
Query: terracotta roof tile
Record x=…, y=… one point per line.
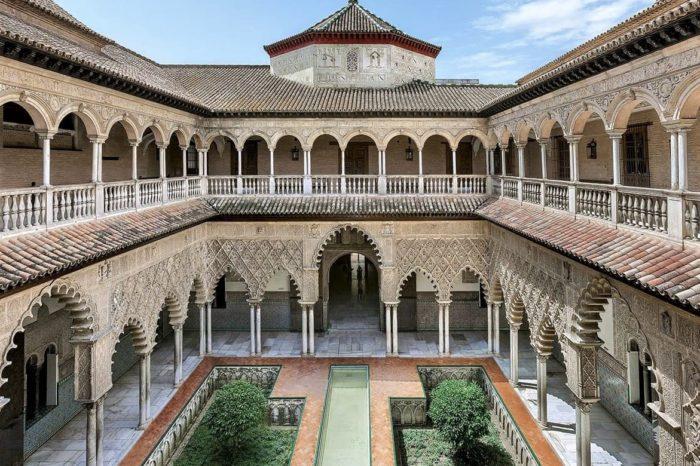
x=658, y=266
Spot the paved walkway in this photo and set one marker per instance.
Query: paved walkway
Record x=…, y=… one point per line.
x=612, y=444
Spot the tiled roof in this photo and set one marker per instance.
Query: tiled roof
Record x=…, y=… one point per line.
x=35, y=256
x=253, y=89
x=349, y=206
x=653, y=264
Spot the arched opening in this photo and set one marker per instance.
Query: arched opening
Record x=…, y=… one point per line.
x=256, y=157
x=361, y=156
x=532, y=155
x=148, y=157
x=402, y=156
x=558, y=157
x=467, y=312
x=13, y=412
x=279, y=309
x=131, y=377
x=173, y=158
x=117, y=163
x=595, y=160
x=326, y=156
x=418, y=310
x=222, y=157
x=192, y=158
x=437, y=156
x=353, y=293
x=71, y=152
x=471, y=156
x=20, y=148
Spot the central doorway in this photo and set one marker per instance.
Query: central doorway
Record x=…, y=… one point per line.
x=353, y=293
x=357, y=158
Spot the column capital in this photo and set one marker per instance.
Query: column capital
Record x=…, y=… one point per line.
x=543, y=141
x=97, y=140
x=161, y=146
x=134, y=142
x=184, y=147
x=541, y=357
x=520, y=145
x=584, y=406
x=43, y=135
x=574, y=138
x=615, y=134
x=673, y=126
x=444, y=302
x=391, y=303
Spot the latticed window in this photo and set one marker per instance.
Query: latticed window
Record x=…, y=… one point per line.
x=636, y=153
x=560, y=152
x=192, y=160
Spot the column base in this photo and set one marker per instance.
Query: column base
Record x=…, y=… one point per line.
x=144, y=426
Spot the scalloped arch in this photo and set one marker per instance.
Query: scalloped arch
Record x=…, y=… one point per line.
x=328, y=237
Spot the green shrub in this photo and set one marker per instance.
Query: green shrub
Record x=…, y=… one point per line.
x=458, y=411
x=236, y=415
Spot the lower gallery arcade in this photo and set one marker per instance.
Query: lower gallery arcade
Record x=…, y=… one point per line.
x=361, y=289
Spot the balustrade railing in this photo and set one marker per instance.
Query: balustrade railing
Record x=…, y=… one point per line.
x=471, y=184
x=23, y=210
x=177, y=188
x=532, y=192
x=326, y=184
x=194, y=187
x=691, y=217
x=510, y=188
x=119, y=196
x=223, y=185
x=361, y=184
x=399, y=184
x=437, y=184
x=289, y=185
x=255, y=185
x=150, y=192
x=594, y=201
x=72, y=203
x=642, y=209
x=556, y=196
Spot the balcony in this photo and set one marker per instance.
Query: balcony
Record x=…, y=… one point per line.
x=31, y=209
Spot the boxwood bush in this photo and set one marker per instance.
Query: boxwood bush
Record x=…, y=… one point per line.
x=236, y=415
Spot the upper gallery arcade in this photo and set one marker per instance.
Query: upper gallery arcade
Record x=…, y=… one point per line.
x=169, y=210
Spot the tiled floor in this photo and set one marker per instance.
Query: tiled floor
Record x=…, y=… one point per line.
x=612, y=445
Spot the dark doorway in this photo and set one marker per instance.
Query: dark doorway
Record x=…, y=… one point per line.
x=464, y=159
x=353, y=294
x=250, y=158
x=356, y=158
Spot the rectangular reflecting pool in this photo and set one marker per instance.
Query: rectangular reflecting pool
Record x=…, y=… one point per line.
x=345, y=430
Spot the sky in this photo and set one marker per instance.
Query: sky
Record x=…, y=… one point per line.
x=495, y=41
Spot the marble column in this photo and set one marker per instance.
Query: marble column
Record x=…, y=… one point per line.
x=521, y=160
x=91, y=436
x=95, y=159
x=489, y=326
x=674, y=159
x=497, y=328
x=202, y=331
x=441, y=330
x=504, y=171
x=583, y=433
x=395, y=329
x=258, y=332
x=542, y=389
x=209, y=335
x=304, y=331
x=573, y=157
x=144, y=390
x=253, y=346
x=514, y=350
x=46, y=157
x=446, y=318
x=387, y=329
x=312, y=349
x=178, y=355
x=99, y=431
x=543, y=157
x=134, y=160
x=616, y=140
x=683, y=159
x=184, y=160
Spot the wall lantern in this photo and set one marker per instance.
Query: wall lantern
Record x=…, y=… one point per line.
x=592, y=149
x=409, y=151
x=295, y=152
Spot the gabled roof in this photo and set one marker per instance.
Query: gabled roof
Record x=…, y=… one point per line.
x=353, y=22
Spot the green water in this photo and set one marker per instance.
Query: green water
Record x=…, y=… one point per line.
x=345, y=432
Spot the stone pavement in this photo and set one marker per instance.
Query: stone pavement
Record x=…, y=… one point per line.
x=612, y=445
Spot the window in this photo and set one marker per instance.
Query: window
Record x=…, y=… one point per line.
x=192, y=161
x=636, y=156
x=31, y=391
x=639, y=379
x=560, y=152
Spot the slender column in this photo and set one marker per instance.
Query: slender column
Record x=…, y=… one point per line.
x=134, y=160
x=420, y=161
x=184, y=161
x=91, y=434
x=446, y=338
x=616, y=139
x=200, y=162
x=205, y=162
x=380, y=165
x=258, y=333
x=573, y=157
x=304, y=331
x=489, y=161
x=492, y=161
x=46, y=157
x=674, y=159
x=144, y=391
x=312, y=331
x=387, y=329
x=683, y=159
x=497, y=328
x=521, y=160
x=100, y=175
x=342, y=162
x=272, y=161
x=178, y=354
x=384, y=162
x=99, y=431
x=202, y=331
x=395, y=329
x=543, y=157
x=503, y=161
x=454, y=162
x=209, y=342
x=96, y=159
x=441, y=330
x=514, y=350
x=253, y=346
x=583, y=433
x=542, y=389
x=161, y=157
x=489, y=326
x=240, y=162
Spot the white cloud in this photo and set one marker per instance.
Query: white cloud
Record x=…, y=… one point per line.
x=557, y=21
x=488, y=66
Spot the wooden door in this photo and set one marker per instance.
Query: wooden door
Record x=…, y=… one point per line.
x=356, y=159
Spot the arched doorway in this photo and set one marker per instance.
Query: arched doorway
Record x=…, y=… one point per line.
x=353, y=293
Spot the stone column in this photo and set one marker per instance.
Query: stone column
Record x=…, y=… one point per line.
x=583, y=433
x=674, y=159
x=497, y=328
x=253, y=346
x=178, y=354
x=446, y=338
x=161, y=157
x=144, y=390
x=489, y=326
x=99, y=431
x=521, y=160
x=489, y=161
x=542, y=389
x=209, y=336
x=387, y=329
x=312, y=332
x=202, y=331
x=395, y=329
x=543, y=157
x=514, y=350
x=91, y=435
x=683, y=159
x=134, y=160
x=205, y=162
x=454, y=162
x=441, y=330
x=46, y=157
x=616, y=139
x=573, y=157
x=258, y=333
x=184, y=160
x=307, y=182
x=240, y=162
x=96, y=159
x=304, y=331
